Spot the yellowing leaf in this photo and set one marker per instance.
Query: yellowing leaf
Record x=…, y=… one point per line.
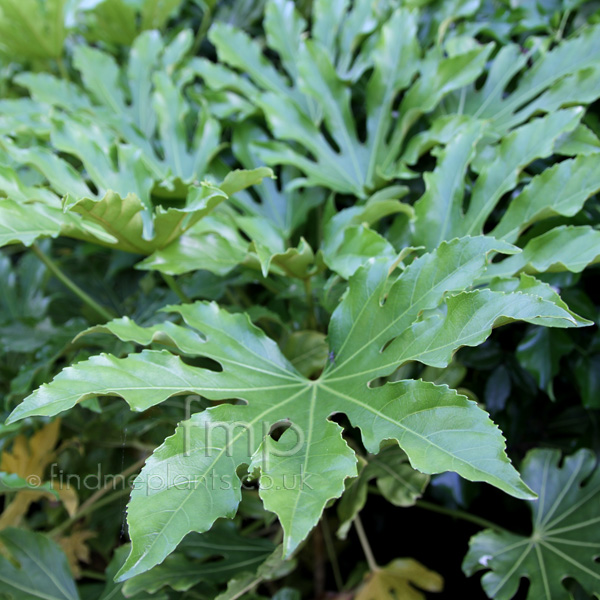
x=29, y=459
x=68, y=497
x=76, y=549
x=399, y=580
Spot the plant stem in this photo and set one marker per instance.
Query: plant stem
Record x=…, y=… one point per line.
x=96, y=500
x=312, y=319
x=318, y=563
x=335, y=567
x=174, y=286
x=65, y=280
x=563, y=24
x=93, y=575
x=62, y=69
x=201, y=33
x=108, y=486
x=252, y=527
x=459, y=514
x=364, y=542
x=90, y=509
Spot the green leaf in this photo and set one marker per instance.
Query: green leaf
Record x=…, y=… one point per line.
x=307, y=351
x=530, y=285
x=577, y=179
x=438, y=212
x=586, y=374
x=20, y=223
x=518, y=149
x=11, y=482
x=142, y=103
x=31, y=30
x=114, y=590
x=566, y=75
x=540, y=352
x=564, y=538
x=310, y=461
x=319, y=96
x=273, y=568
x=213, y=244
x=566, y=248
x=120, y=21
x=212, y=557
x=38, y=569
x=285, y=206
x=348, y=240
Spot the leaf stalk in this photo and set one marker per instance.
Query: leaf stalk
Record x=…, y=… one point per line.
x=364, y=542
x=459, y=514
x=70, y=284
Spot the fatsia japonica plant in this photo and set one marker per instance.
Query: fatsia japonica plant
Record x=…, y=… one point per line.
x=350, y=198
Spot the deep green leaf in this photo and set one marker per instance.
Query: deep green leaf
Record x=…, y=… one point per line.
x=564, y=538
x=37, y=569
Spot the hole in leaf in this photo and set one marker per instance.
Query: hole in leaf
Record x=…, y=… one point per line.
x=278, y=429
x=202, y=362
x=329, y=138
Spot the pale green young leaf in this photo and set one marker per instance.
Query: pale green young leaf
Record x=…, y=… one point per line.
x=32, y=30
x=120, y=21
x=213, y=244
x=565, y=248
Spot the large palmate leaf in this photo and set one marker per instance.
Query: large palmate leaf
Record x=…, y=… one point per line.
x=37, y=568
x=565, y=538
x=142, y=162
x=309, y=105
x=425, y=314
